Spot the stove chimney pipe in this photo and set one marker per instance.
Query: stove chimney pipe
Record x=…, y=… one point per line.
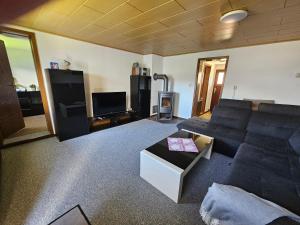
x=162, y=77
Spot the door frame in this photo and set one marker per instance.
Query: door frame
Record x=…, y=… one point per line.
x=197, y=87
x=38, y=69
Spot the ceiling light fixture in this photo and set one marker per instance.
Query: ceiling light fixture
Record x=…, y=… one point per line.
x=234, y=16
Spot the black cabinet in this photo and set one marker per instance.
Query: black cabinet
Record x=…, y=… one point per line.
x=31, y=103
x=68, y=94
x=140, y=95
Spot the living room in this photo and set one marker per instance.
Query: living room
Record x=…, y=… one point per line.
x=111, y=175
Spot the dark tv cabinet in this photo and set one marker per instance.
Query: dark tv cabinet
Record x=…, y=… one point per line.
x=67, y=87
x=111, y=120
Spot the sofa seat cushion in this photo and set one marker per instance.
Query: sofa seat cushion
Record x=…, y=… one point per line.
x=227, y=140
x=226, y=132
x=194, y=124
x=269, y=175
x=213, y=130
x=267, y=142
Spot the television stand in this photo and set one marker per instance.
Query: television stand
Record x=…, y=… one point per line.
x=111, y=120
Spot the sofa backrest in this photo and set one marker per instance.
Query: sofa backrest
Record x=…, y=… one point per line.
x=274, y=120
x=279, y=109
x=240, y=104
x=231, y=113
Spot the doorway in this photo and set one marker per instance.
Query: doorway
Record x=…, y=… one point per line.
x=24, y=114
x=210, y=77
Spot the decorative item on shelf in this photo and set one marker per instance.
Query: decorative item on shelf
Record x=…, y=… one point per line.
x=135, y=69
x=54, y=65
x=145, y=71
x=19, y=87
x=33, y=87
x=67, y=65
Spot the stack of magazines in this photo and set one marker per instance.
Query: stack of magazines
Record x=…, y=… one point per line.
x=182, y=145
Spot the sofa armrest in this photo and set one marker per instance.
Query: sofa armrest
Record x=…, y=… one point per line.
x=295, y=141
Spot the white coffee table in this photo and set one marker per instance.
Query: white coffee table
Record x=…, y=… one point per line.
x=165, y=169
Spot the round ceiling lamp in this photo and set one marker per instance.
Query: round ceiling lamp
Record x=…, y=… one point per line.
x=234, y=16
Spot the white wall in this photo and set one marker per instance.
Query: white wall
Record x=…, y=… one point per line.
x=20, y=60
x=155, y=63
x=105, y=69
x=259, y=72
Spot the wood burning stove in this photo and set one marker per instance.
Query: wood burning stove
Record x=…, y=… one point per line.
x=165, y=107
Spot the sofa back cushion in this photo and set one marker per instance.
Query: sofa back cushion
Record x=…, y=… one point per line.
x=273, y=125
x=278, y=121
x=241, y=104
x=295, y=141
x=279, y=109
x=232, y=114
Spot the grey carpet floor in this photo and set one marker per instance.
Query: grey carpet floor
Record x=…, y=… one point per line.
x=99, y=171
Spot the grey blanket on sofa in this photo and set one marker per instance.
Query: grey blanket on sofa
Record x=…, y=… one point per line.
x=229, y=205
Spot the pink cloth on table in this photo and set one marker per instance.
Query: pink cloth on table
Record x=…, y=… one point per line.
x=182, y=145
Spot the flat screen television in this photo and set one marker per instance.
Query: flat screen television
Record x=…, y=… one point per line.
x=105, y=103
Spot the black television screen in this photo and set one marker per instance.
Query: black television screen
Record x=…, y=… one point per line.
x=105, y=103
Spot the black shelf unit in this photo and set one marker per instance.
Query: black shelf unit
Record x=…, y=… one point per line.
x=31, y=103
x=140, y=95
x=68, y=94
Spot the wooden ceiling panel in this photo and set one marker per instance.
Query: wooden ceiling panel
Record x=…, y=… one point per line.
x=292, y=3
x=90, y=31
x=121, y=13
x=194, y=14
x=80, y=19
x=156, y=14
x=28, y=19
x=65, y=7
x=253, y=22
x=153, y=27
x=146, y=5
x=291, y=19
x=167, y=27
x=188, y=28
x=192, y=4
x=257, y=6
x=104, y=6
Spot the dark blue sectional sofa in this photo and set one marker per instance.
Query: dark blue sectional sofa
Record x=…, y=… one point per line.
x=265, y=145
x=228, y=125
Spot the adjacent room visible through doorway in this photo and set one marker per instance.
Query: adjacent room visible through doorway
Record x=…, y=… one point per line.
x=22, y=115
x=210, y=79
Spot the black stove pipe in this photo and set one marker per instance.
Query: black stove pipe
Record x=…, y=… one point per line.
x=162, y=77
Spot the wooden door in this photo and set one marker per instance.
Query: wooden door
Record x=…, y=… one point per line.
x=11, y=119
x=218, y=86
x=204, y=88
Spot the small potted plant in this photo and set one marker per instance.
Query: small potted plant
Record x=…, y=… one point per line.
x=33, y=87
